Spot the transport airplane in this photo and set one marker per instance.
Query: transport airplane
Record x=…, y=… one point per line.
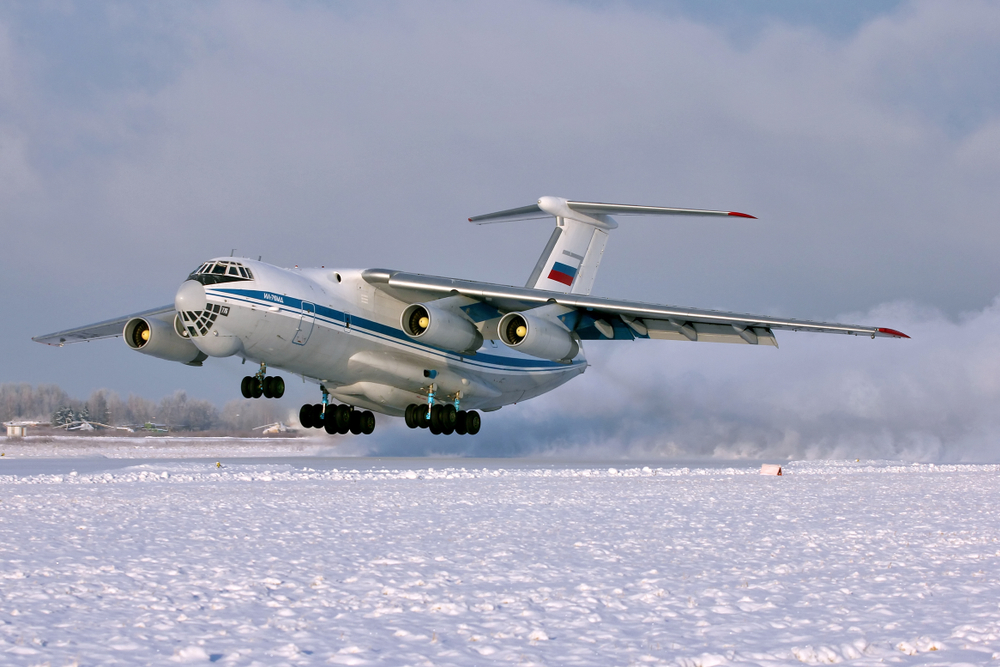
x=433, y=350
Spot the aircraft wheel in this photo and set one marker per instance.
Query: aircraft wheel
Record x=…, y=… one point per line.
x=266, y=388
x=409, y=417
x=423, y=418
x=317, y=416
x=472, y=422
x=367, y=422
x=246, y=387
x=448, y=417
x=277, y=386
x=435, y=428
x=306, y=416
x=330, y=419
x=342, y=419
x=460, y=427
x=256, y=390
x=436, y=417
x=355, y=423
x=447, y=430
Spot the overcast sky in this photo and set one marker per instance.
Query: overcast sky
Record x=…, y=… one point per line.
x=138, y=139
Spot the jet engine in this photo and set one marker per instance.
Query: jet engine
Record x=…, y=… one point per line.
x=537, y=337
x=161, y=340
x=440, y=328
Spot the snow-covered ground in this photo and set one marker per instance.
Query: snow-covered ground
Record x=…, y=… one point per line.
x=315, y=560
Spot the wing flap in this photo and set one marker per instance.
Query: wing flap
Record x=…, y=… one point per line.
x=112, y=328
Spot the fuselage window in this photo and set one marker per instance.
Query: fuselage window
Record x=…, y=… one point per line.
x=234, y=271
x=219, y=269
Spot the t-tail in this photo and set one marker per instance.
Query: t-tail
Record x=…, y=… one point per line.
x=573, y=254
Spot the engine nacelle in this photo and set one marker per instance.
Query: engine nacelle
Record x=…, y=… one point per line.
x=537, y=337
x=440, y=328
x=161, y=340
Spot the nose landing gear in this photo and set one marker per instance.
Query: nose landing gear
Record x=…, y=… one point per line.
x=261, y=384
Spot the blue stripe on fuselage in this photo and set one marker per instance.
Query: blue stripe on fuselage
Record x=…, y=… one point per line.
x=294, y=305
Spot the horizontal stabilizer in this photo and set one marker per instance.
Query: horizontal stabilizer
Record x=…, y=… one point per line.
x=581, y=210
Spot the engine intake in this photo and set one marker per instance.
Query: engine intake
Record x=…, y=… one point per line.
x=537, y=337
x=161, y=340
x=440, y=328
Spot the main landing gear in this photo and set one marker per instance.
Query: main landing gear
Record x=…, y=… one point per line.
x=443, y=419
x=333, y=419
x=261, y=384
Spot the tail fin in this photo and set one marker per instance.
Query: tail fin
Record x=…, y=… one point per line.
x=573, y=254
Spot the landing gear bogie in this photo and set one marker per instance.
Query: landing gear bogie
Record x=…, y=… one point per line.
x=268, y=387
x=337, y=419
x=443, y=419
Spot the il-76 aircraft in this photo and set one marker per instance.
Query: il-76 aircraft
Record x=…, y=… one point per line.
x=433, y=350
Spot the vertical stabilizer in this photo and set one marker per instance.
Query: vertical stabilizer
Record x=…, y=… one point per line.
x=570, y=259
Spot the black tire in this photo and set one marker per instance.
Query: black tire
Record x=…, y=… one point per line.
x=412, y=420
x=277, y=386
x=342, y=419
x=355, y=423
x=447, y=430
x=472, y=422
x=330, y=419
x=460, y=427
x=255, y=387
x=448, y=417
x=436, y=417
x=306, y=416
x=367, y=422
x=318, y=420
x=423, y=419
x=435, y=429
x=245, y=387
x=265, y=387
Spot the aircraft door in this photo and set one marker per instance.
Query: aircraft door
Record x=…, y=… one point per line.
x=306, y=323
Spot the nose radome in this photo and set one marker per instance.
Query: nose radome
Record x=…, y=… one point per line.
x=190, y=297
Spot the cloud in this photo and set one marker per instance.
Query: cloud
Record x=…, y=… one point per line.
x=142, y=141
x=930, y=398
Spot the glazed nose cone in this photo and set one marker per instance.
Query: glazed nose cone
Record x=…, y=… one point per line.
x=190, y=297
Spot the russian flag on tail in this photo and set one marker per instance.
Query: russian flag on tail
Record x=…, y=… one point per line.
x=562, y=273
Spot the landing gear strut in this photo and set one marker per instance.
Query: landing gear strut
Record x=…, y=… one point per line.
x=261, y=384
x=336, y=419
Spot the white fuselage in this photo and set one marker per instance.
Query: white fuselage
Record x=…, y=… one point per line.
x=334, y=328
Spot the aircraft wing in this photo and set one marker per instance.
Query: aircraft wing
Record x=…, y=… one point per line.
x=610, y=319
x=106, y=329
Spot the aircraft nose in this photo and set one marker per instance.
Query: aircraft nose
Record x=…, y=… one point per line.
x=190, y=297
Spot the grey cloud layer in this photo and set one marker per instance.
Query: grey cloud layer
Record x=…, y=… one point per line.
x=931, y=398
x=154, y=138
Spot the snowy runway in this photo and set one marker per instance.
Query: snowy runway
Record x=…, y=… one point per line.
x=304, y=561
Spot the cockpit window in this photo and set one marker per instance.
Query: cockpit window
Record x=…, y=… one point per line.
x=222, y=271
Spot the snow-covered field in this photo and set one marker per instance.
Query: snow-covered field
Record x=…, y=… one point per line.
x=316, y=560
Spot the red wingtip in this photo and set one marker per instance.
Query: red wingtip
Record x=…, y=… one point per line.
x=892, y=332
x=742, y=215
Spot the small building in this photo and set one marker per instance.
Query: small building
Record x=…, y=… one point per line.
x=16, y=430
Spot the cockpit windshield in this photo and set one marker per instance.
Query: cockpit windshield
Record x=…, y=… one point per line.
x=220, y=271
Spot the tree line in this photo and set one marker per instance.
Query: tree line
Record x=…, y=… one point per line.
x=179, y=412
